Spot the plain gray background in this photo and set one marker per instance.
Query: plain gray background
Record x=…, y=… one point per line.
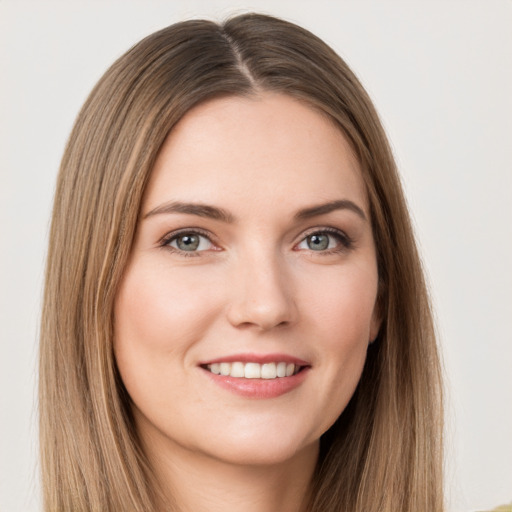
x=440, y=73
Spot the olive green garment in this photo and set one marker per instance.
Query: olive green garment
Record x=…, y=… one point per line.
x=503, y=508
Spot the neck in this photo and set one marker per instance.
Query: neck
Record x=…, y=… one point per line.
x=196, y=483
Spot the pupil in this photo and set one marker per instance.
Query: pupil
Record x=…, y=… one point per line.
x=318, y=242
x=188, y=242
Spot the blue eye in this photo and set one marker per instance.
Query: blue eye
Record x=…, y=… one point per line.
x=324, y=241
x=318, y=242
x=189, y=242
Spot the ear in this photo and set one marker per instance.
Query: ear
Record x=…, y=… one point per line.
x=376, y=320
x=375, y=324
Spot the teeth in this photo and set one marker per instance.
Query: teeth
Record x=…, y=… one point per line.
x=268, y=371
x=237, y=370
x=251, y=371
x=254, y=370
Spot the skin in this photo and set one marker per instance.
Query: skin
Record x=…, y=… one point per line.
x=256, y=284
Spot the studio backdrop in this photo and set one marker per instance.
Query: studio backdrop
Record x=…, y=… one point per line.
x=440, y=74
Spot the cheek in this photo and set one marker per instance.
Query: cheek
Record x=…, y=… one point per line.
x=342, y=318
x=157, y=318
x=160, y=310
x=343, y=303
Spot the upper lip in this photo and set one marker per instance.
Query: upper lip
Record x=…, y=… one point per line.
x=257, y=358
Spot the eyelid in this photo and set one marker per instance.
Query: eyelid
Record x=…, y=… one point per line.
x=168, y=237
x=345, y=241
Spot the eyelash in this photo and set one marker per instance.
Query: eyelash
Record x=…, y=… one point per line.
x=345, y=242
x=168, y=238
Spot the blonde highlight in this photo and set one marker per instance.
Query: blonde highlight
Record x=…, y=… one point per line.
x=384, y=453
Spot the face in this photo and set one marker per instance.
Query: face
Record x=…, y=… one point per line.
x=245, y=312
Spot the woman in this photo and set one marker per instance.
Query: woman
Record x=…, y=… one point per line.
x=235, y=311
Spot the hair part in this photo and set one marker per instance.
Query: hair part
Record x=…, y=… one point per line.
x=384, y=451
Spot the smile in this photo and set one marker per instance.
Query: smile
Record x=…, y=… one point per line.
x=252, y=370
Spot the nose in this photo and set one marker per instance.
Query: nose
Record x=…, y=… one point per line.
x=262, y=295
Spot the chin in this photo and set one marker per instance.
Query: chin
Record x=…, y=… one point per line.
x=260, y=446
x=263, y=453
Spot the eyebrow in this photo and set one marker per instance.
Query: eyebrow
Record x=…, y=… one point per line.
x=202, y=210
x=322, y=209
x=213, y=212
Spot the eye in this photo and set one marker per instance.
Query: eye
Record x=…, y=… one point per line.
x=189, y=241
x=325, y=241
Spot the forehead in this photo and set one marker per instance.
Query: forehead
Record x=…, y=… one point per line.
x=260, y=149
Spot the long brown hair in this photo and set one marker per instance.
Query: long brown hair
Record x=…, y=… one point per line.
x=384, y=452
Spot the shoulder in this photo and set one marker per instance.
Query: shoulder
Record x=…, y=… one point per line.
x=503, y=508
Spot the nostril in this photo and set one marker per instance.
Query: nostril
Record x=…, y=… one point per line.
x=262, y=315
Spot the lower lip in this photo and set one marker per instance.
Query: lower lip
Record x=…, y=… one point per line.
x=259, y=388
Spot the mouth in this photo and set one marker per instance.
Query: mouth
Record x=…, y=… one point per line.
x=254, y=370
x=257, y=376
